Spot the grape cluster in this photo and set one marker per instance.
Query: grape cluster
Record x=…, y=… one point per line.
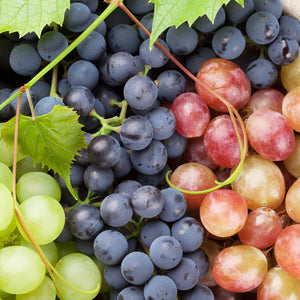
x=129, y=235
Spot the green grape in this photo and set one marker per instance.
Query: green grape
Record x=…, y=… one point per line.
x=50, y=250
x=66, y=248
x=82, y=273
x=26, y=165
x=45, y=291
x=3, y=295
x=105, y=288
x=10, y=297
x=44, y=216
x=7, y=216
x=6, y=151
x=37, y=183
x=21, y=270
x=6, y=176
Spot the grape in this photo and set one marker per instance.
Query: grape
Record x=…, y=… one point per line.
x=140, y=7
x=6, y=176
x=131, y=292
x=51, y=44
x=287, y=250
x=261, y=229
x=84, y=246
x=85, y=222
x=272, y=6
x=63, y=86
x=104, y=151
x=37, y=183
x=110, y=247
x=284, y=50
x=101, y=28
x=166, y=252
x=237, y=13
x=146, y=21
x=76, y=176
x=147, y=201
x=116, y=210
x=185, y=274
x=83, y=73
x=81, y=272
x=127, y=187
x=228, y=42
x=24, y=59
x=21, y=270
x=199, y=292
x=92, y=47
x=7, y=216
x=191, y=114
x=160, y=287
x=40, y=89
x=262, y=27
x=46, y=291
x=137, y=268
x=123, y=37
x=291, y=202
x=215, y=209
x=175, y=145
x=240, y=268
x=136, y=132
x=289, y=26
x=5, y=113
x=271, y=135
x=27, y=165
x=46, y=105
x=66, y=248
x=201, y=259
x=123, y=166
x=91, y=4
x=260, y=183
x=182, y=40
x=193, y=177
x=152, y=230
x=262, y=73
x=226, y=79
x=150, y=160
x=220, y=294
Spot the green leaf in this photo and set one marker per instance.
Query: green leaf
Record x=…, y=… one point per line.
x=52, y=139
x=172, y=12
x=26, y=16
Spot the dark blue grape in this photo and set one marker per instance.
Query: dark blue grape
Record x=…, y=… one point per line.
x=244, y=60
x=76, y=176
x=228, y=42
x=84, y=246
x=91, y=4
x=5, y=112
x=166, y=252
x=262, y=73
x=201, y=259
x=123, y=37
x=237, y=13
x=63, y=86
x=40, y=89
x=136, y=132
x=147, y=201
x=66, y=234
x=283, y=51
x=155, y=57
x=162, y=121
x=200, y=291
x=143, y=112
x=51, y=44
x=139, y=63
x=272, y=6
x=171, y=84
x=152, y=230
x=137, y=268
x=127, y=187
x=45, y=105
x=98, y=179
x=81, y=99
x=146, y=21
x=78, y=17
x=92, y=47
x=114, y=278
x=262, y=27
x=174, y=205
x=83, y=73
x=123, y=166
x=140, y=92
x=132, y=293
x=116, y=210
x=185, y=274
x=204, y=24
x=195, y=60
x=189, y=232
x=83, y=158
x=24, y=59
x=150, y=160
x=182, y=40
x=140, y=7
x=101, y=28
x=160, y=287
x=110, y=247
x=85, y=222
x=290, y=26
x=118, y=16
x=175, y=145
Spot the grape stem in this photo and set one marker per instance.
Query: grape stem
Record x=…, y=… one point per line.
x=53, y=89
x=30, y=103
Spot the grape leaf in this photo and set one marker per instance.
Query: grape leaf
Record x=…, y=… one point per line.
x=26, y=16
x=169, y=12
x=52, y=139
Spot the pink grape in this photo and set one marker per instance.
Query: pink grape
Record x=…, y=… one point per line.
x=223, y=212
x=261, y=229
x=292, y=200
x=270, y=134
x=278, y=285
x=287, y=250
x=191, y=114
x=221, y=143
x=227, y=80
x=291, y=108
x=193, y=177
x=240, y=268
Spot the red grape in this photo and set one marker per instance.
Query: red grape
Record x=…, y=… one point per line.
x=226, y=79
x=291, y=108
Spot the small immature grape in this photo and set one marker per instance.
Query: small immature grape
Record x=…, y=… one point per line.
x=290, y=75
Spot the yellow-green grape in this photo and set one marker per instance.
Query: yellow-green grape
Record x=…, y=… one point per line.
x=6, y=151
x=6, y=176
x=105, y=288
x=27, y=165
x=3, y=295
